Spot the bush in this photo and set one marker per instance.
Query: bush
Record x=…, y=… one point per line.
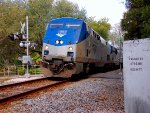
x=35, y=70
x=21, y=70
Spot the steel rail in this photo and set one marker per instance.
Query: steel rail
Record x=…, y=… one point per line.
x=17, y=96
x=23, y=82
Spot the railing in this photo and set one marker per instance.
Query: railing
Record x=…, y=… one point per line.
x=19, y=70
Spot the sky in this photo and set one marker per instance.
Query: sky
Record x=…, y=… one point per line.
x=111, y=9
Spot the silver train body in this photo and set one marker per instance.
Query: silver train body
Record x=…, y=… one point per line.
x=76, y=56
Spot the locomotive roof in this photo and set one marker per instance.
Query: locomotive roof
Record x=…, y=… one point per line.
x=66, y=19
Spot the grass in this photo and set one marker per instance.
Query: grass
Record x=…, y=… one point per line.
x=21, y=70
x=4, y=79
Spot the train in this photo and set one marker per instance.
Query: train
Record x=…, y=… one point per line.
x=71, y=47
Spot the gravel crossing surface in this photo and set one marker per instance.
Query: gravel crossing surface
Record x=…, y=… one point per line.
x=96, y=94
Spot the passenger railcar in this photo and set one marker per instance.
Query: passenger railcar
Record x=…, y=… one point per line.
x=71, y=47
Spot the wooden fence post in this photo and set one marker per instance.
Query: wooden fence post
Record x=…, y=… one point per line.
x=4, y=71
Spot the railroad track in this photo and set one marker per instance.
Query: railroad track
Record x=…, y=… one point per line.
x=15, y=91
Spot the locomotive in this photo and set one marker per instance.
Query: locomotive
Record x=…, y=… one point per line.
x=71, y=47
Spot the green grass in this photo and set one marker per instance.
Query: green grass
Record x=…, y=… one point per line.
x=22, y=70
x=4, y=79
x=35, y=71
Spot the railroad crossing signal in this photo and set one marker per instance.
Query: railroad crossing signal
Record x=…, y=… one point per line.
x=22, y=36
x=15, y=36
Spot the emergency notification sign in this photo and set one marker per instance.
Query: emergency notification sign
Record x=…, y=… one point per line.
x=136, y=72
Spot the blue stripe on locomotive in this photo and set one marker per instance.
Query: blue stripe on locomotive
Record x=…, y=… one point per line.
x=70, y=35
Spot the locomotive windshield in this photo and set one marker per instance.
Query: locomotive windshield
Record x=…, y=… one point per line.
x=56, y=25
x=75, y=26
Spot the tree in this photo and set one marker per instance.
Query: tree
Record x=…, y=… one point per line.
x=136, y=20
x=39, y=12
x=101, y=26
x=42, y=11
x=65, y=8
x=116, y=34
x=10, y=16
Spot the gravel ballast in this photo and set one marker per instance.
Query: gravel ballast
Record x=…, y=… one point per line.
x=93, y=95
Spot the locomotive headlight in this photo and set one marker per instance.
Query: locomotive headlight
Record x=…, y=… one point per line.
x=61, y=42
x=57, y=42
x=70, y=48
x=46, y=47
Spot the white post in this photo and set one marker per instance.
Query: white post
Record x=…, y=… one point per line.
x=120, y=51
x=27, y=75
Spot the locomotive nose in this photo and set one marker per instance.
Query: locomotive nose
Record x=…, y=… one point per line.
x=66, y=53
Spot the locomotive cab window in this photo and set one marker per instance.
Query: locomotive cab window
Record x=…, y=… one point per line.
x=93, y=33
x=98, y=37
x=56, y=25
x=75, y=26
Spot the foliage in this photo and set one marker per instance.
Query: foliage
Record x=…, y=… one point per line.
x=136, y=21
x=21, y=70
x=116, y=35
x=32, y=71
x=40, y=12
x=9, y=51
x=35, y=71
x=36, y=58
x=101, y=26
x=10, y=16
x=64, y=8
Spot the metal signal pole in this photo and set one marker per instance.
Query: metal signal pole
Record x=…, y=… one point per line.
x=27, y=75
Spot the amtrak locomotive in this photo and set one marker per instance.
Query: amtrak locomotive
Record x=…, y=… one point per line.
x=71, y=47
